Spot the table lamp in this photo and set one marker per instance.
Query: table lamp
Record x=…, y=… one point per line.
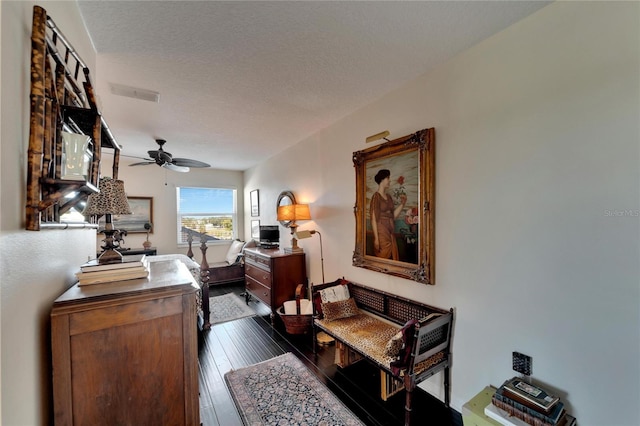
x=109, y=201
x=293, y=213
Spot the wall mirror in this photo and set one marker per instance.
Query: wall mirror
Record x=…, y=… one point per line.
x=285, y=198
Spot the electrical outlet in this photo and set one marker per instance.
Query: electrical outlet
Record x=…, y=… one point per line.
x=522, y=363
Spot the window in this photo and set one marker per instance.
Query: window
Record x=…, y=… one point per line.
x=210, y=211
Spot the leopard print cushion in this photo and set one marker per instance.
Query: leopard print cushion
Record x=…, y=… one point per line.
x=394, y=346
x=364, y=333
x=341, y=309
x=369, y=335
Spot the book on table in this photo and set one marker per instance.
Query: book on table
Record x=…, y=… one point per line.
x=504, y=417
x=111, y=272
x=527, y=414
x=530, y=395
x=127, y=262
x=88, y=278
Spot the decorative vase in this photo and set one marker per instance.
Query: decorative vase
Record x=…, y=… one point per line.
x=146, y=244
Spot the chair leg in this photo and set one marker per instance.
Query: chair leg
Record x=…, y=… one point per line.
x=408, y=386
x=447, y=387
x=313, y=336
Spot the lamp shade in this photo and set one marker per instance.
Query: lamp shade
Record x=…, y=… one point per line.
x=293, y=212
x=110, y=200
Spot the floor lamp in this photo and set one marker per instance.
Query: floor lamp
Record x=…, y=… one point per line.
x=300, y=235
x=321, y=337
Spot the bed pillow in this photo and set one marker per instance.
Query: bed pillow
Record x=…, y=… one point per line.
x=335, y=294
x=341, y=309
x=317, y=299
x=234, y=251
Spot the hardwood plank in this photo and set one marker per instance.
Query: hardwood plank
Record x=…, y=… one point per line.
x=217, y=364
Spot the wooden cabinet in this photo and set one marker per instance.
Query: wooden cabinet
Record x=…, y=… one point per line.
x=272, y=275
x=125, y=353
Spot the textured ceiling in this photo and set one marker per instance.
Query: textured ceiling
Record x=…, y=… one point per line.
x=240, y=81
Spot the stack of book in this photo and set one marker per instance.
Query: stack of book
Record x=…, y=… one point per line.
x=131, y=267
x=528, y=403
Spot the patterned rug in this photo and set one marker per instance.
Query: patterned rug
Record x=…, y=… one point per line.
x=228, y=307
x=282, y=391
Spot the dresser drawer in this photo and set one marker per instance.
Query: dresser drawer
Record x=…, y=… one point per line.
x=263, y=262
x=258, y=274
x=261, y=292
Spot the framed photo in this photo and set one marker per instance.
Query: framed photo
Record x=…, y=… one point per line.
x=142, y=212
x=255, y=229
x=395, y=207
x=255, y=203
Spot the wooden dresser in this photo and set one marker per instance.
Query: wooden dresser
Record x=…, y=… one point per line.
x=125, y=353
x=272, y=275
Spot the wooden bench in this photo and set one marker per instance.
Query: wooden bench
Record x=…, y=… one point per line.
x=366, y=335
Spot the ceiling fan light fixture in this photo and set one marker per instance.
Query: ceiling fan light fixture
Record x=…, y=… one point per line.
x=134, y=92
x=164, y=159
x=175, y=168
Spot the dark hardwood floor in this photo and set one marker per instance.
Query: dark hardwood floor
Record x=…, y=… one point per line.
x=246, y=341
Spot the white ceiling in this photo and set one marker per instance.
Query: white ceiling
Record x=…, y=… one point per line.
x=240, y=81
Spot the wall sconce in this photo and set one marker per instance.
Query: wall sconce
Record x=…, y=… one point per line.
x=109, y=201
x=378, y=136
x=293, y=213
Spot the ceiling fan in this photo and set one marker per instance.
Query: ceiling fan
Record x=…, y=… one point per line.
x=164, y=159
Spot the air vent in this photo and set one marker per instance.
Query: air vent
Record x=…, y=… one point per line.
x=134, y=92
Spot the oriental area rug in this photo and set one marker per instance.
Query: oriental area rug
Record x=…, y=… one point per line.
x=228, y=307
x=282, y=391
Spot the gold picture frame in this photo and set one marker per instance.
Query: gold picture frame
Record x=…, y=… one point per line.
x=402, y=174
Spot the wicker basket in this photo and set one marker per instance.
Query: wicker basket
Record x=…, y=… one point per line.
x=296, y=324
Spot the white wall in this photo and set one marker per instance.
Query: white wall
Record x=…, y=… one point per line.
x=35, y=267
x=537, y=154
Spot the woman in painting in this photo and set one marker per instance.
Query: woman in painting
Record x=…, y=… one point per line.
x=383, y=215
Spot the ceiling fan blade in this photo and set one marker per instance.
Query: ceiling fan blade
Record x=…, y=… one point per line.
x=189, y=163
x=175, y=168
x=143, y=163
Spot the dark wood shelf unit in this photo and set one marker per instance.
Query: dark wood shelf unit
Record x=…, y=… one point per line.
x=62, y=98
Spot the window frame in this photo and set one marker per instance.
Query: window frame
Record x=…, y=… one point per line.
x=234, y=214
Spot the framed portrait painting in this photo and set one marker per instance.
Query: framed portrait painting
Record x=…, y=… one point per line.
x=395, y=210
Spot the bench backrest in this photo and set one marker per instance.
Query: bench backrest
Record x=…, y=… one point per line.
x=390, y=306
